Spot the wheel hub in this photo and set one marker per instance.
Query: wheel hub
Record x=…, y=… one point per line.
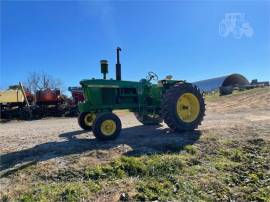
x=188, y=107
x=89, y=119
x=108, y=127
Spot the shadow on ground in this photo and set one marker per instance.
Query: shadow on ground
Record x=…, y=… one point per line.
x=142, y=140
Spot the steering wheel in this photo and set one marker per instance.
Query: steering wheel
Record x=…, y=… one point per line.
x=152, y=76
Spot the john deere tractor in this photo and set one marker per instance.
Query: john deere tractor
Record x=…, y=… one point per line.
x=178, y=103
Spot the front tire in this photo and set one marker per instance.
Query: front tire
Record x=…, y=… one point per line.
x=183, y=107
x=107, y=126
x=86, y=119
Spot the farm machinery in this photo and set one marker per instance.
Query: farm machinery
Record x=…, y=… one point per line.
x=15, y=101
x=178, y=103
x=18, y=102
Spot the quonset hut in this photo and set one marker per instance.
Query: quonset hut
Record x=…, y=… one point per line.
x=209, y=85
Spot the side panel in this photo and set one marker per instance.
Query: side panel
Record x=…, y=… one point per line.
x=92, y=95
x=108, y=95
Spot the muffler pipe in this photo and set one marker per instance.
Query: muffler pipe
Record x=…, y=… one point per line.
x=118, y=65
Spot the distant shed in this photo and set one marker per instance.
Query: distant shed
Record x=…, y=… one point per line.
x=215, y=83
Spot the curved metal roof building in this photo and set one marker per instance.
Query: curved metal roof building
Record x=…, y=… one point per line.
x=215, y=83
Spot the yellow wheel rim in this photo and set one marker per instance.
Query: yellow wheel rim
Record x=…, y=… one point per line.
x=108, y=127
x=89, y=119
x=188, y=107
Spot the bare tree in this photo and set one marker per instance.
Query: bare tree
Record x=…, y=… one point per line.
x=37, y=81
x=32, y=82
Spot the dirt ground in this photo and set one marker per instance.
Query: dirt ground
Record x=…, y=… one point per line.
x=58, y=143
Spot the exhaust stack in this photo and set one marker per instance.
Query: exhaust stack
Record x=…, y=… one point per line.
x=118, y=65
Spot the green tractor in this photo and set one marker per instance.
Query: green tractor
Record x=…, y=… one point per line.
x=178, y=103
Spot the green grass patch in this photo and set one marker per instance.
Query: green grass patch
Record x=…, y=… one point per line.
x=191, y=149
x=225, y=171
x=137, y=167
x=164, y=189
x=73, y=191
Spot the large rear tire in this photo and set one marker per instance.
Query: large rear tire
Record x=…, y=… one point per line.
x=183, y=107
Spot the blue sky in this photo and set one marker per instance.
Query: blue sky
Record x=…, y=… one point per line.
x=67, y=39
